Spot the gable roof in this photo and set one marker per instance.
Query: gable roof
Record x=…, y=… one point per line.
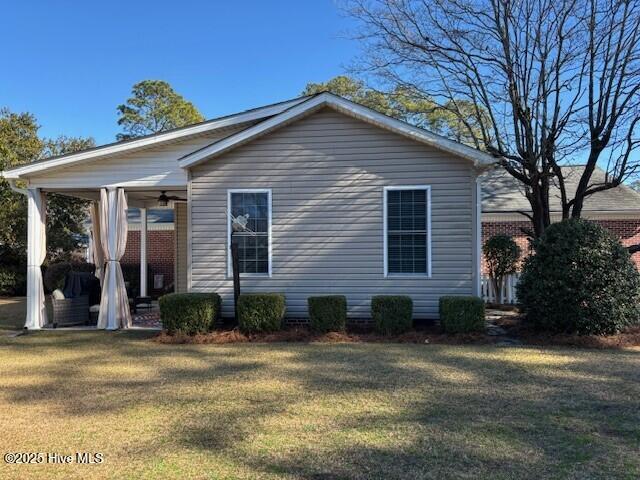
x=502, y=193
x=155, y=139
x=269, y=118
x=326, y=99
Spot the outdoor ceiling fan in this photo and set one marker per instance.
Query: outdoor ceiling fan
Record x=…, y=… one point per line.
x=163, y=199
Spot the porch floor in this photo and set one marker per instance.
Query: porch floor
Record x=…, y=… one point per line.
x=143, y=319
x=147, y=318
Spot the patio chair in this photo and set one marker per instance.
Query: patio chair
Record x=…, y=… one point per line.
x=69, y=311
x=78, y=302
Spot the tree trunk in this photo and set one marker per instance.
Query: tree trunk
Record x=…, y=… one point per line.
x=539, y=200
x=583, y=184
x=497, y=289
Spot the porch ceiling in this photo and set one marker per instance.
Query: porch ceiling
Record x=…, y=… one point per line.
x=137, y=197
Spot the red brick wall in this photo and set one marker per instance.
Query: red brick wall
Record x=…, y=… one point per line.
x=628, y=231
x=160, y=253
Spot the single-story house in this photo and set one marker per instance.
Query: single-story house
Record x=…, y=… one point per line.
x=340, y=200
x=504, y=202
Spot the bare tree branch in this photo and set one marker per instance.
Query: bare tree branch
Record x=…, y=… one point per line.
x=552, y=82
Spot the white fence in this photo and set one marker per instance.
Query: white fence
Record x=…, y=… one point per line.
x=509, y=292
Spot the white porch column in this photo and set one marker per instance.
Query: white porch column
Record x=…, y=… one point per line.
x=143, y=252
x=36, y=251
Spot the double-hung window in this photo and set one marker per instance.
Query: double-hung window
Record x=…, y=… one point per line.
x=407, y=230
x=254, y=241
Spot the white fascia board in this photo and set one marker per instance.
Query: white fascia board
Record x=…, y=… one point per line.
x=514, y=216
x=230, y=121
x=480, y=159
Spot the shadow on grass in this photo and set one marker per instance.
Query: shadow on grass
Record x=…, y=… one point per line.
x=353, y=410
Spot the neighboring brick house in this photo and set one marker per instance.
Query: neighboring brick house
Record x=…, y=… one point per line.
x=617, y=209
x=160, y=246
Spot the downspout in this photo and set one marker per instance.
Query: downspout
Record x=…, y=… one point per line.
x=12, y=185
x=478, y=235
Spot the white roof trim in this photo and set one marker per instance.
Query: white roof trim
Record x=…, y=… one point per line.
x=151, y=226
x=239, y=118
x=353, y=109
x=612, y=215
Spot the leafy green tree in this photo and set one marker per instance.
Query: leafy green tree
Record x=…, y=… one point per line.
x=356, y=91
x=64, y=144
x=405, y=104
x=65, y=215
x=20, y=144
x=154, y=106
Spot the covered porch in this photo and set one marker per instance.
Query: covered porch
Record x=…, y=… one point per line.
x=132, y=173
x=119, y=307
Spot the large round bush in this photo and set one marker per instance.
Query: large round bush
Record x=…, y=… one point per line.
x=580, y=280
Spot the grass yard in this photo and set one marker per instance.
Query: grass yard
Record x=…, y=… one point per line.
x=12, y=312
x=323, y=411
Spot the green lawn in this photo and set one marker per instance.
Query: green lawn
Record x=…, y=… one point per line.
x=12, y=312
x=320, y=411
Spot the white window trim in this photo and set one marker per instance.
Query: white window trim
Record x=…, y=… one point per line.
x=427, y=189
x=247, y=190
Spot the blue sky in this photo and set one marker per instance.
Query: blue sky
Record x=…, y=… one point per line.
x=71, y=63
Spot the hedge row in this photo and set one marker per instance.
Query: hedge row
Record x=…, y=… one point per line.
x=192, y=313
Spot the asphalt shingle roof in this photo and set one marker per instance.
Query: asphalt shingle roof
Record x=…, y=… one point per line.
x=503, y=193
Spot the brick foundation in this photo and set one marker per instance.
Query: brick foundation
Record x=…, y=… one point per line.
x=628, y=231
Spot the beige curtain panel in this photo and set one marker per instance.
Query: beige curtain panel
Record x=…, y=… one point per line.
x=97, y=250
x=114, y=304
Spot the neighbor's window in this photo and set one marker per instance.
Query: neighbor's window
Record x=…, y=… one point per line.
x=407, y=230
x=253, y=243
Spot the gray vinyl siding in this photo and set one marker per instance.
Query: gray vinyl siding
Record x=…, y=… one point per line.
x=180, y=221
x=327, y=173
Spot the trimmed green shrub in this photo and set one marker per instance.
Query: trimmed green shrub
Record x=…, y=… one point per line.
x=461, y=314
x=392, y=314
x=580, y=280
x=327, y=313
x=261, y=312
x=189, y=313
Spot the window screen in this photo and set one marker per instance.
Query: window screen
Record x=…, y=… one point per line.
x=253, y=244
x=407, y=231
